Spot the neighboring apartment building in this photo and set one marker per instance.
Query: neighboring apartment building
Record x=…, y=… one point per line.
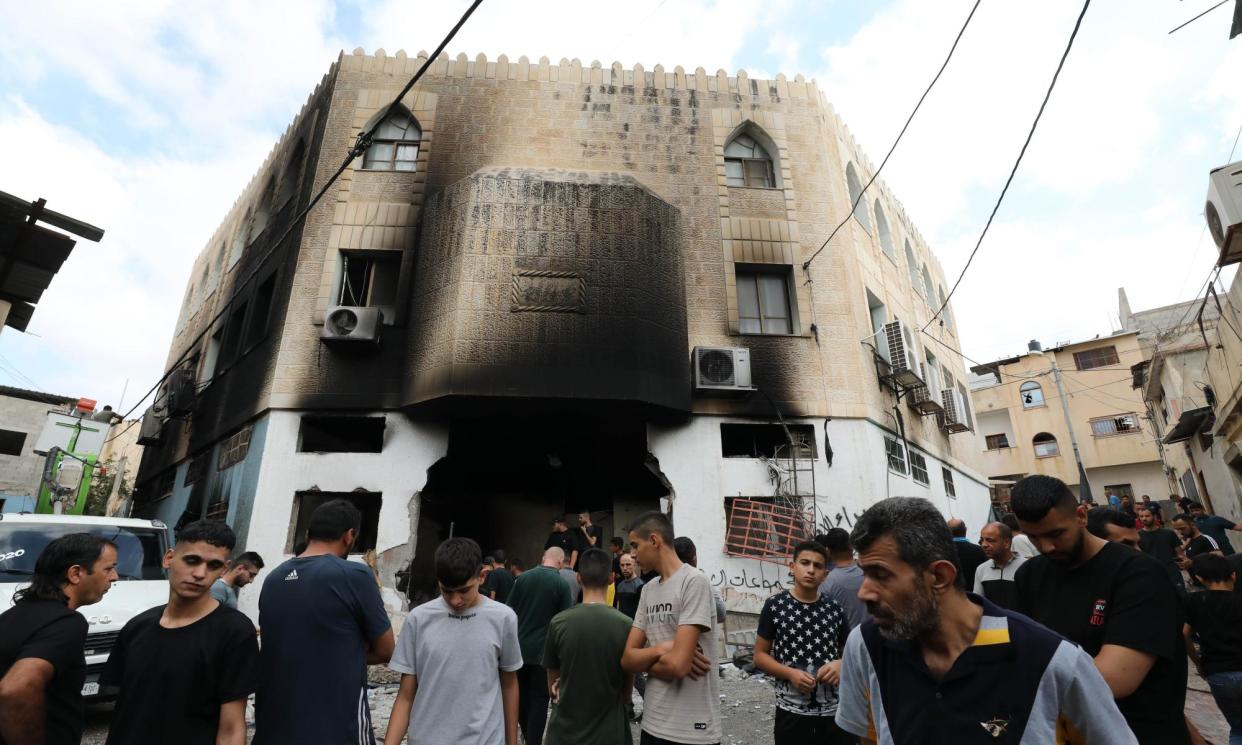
x=1022, y=418
x=551, y=288
x=23, y=414
x=1173, y=379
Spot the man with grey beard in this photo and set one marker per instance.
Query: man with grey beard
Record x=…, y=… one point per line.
x=936, y=664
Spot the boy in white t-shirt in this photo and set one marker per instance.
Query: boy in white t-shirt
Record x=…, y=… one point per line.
x=460, y=647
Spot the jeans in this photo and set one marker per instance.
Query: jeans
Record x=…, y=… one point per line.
x=533, y=701
x=1227, y=690
x=800, y=729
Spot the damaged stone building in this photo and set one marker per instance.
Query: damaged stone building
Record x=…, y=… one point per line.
x=548, y=288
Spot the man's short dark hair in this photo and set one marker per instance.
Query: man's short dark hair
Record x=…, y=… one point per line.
x=915, y=525
x=1184, y=518
x=250, y=558
x=1006, y=532
x=51, y=568
x=498, y=557
x=1011, y=521
x=837, y=541
x=333, y=519
x=1034, y=497
x=213, y=532
x=1210, y=568
x=619, y=542
x=516, y=563
x=812, y=546
x=685, y=549
x=489, y=560
x=458, y=560
x=594, y=568
x=1099, y=518
x=653, y=521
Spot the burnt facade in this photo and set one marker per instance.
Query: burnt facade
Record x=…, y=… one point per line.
x=517, y=281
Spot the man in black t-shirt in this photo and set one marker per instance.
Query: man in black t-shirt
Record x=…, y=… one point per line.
x=185, y=669
x=561, y=538
x=42, y=664
x=588, y=536
x=969, y=555
x=1195, y=541
x=499, y=580
x=1117, y=603
x=1161, y=544
x=1214, y=617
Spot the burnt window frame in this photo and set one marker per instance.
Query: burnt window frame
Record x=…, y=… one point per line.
x=368, y=530
x=313, y=423
x=10, y=435
x=729, y=430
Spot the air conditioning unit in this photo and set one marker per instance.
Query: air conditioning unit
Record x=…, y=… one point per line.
x=349, y=326
x=903, y=358
x=178, y=392
x=1224, y=211
x=921, y=400
x=152, y=424
x=954, y=419
x=722, y=369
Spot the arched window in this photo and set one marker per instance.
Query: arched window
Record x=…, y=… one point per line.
x=239, y=240
x=948, y=319
x=855, y=188
x=927, y=287
x=394, y=147
x=748, y=164
x=915, y=280
x=1032, y=394
x=292, y=176
x=263, y=212
x=1045, y=445
x=886, y=235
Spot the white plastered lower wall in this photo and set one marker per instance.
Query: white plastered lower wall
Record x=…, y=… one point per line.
x=398, y=473
x=690, y=458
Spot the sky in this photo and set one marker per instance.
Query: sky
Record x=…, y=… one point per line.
x=149, y=118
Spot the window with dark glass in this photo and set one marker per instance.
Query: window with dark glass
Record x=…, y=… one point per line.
x=997, y=442
x=1093, y=358
x=918, y=468
x=368, y=503
x=763, y=300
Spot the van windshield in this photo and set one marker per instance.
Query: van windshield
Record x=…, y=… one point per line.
x=140, y=552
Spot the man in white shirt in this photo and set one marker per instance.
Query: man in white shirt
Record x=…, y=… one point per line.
x=1021, y=544
x=994, y=579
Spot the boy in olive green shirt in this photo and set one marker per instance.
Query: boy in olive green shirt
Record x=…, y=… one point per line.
x=583, y=658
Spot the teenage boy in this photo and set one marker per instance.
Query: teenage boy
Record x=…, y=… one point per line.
x=185, y=669
x=1214, y=617
x=42, y=668
x=323, y=622
x=1116, y=603
x=800, y=638
x=844, y=575
x=583, y=658
x=673, y=634
x=244, y=570
x=458, y=656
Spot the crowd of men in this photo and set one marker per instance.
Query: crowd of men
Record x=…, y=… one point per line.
x=1066, y=623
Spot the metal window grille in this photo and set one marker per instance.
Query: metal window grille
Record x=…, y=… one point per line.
x=896, y=455
x=759, y=528
x=918, y=468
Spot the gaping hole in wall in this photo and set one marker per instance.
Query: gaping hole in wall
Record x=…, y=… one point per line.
x=11, y=442
x=504, y=480
x=341, y=434
x=742, y=440
x=305, y=502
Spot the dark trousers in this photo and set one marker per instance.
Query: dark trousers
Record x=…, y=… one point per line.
x=800, y=729
x=649, y=739
x=533, y=702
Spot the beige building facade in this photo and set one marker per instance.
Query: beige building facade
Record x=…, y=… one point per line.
x=1028, y=424
x=542, y=289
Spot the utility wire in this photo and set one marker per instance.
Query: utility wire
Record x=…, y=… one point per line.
x=1192, y=20
x=1018, y=162
x=854, y=207
x=360, y=146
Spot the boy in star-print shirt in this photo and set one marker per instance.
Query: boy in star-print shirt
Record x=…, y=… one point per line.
x=800, y=638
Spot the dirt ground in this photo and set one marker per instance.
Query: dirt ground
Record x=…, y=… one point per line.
x=746, y=707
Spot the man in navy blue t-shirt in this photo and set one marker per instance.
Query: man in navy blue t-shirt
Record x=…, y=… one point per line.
x=323, y=622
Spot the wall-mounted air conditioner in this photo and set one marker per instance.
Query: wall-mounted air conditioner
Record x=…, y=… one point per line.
x=954, y=411
x=178, y=392
x=921, y=400
x=903, y=357
x=152, y=424
x=1224, y=211
x=349, y=326
x=722, y=369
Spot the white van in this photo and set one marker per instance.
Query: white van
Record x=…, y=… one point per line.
x=141, y=583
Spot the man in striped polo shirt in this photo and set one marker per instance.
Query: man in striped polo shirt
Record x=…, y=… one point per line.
x=936, y=664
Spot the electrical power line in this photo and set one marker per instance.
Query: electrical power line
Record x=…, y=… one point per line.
x=360, y=146
x=854, y=207
x=1061, y=64
x=1192, y=20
